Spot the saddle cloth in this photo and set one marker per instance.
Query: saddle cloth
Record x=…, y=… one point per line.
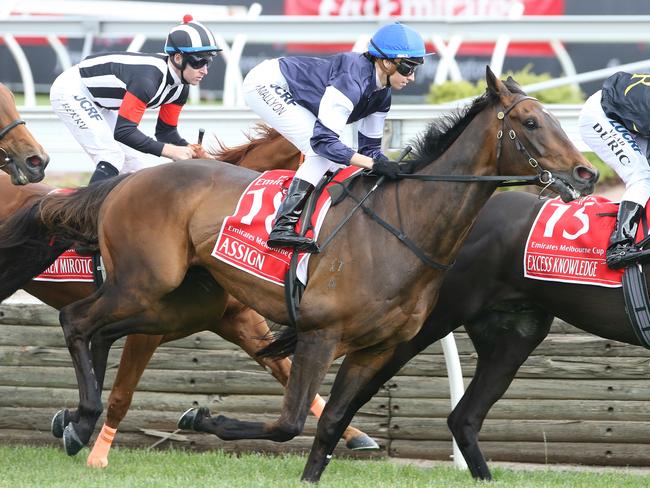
x=69, y=266
x=241, y=242
x=567, y=242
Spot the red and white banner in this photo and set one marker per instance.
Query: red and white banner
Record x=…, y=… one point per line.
x=403, y=9
x=69, y=266
x=242, y=238
x=567, y=243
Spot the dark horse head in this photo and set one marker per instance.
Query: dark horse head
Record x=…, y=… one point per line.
x=511, y=134
x=21, y=157
x=530, y=133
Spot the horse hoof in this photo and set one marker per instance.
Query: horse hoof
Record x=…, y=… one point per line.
x=191, y=417
x=362, y=443
x=59, y=421
x=71, y=442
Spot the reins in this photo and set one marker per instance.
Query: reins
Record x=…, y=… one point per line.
x=3, y=132
x=544, y=177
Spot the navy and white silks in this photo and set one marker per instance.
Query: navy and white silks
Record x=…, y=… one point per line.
x=311, y=100
x=615, y=123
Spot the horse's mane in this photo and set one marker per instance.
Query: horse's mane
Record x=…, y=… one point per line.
x=262, y=134
x=443, y=131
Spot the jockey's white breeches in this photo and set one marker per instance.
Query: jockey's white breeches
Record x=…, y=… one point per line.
x=92, y=126
x=266, y=92
x=623, y=151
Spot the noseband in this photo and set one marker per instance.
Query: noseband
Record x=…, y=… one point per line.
x=545, y=177
x=3, y=132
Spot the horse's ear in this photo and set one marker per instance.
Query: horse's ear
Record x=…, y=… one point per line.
x=512, y=83
x=495, y=85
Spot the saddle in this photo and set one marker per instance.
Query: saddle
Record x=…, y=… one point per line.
x=293, y=287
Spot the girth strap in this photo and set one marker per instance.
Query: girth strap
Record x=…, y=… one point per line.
x=635, y=292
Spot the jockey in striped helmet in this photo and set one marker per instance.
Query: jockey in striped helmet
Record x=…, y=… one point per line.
x=102, y=100
x=194, y=42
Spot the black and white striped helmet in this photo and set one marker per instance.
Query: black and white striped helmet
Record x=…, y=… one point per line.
x=191, y=37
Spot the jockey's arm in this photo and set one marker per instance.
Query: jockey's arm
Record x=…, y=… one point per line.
x=361, y=161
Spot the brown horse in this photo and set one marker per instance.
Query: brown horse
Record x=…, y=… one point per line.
x=367, y=292
x=21, y=157
x=195, y=300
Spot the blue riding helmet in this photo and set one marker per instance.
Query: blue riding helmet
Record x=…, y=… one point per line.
x=398, y=41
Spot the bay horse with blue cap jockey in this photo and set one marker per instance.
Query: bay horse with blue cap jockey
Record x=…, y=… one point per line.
x=310, y=100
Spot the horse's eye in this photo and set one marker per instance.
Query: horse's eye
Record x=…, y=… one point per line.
x=530, y=124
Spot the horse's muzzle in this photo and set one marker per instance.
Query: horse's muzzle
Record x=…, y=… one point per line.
x=581, y=182
x=31, y=169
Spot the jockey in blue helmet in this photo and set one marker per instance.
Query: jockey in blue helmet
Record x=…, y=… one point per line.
x=310, y=101
x=400, y=44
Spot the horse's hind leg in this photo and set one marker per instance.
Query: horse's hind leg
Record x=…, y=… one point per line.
x=192, y=307
x=136, y=354
x=249, y=330
x=313, y=356
x=503, y=341
x=78, y=327
x=125, y=312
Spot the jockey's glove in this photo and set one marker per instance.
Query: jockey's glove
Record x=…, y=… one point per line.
x=383, y=166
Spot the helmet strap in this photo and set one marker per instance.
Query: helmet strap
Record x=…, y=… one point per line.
x=385, y=70
x=179, y=66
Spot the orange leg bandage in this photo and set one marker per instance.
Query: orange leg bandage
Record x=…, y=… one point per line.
x=317, y=406
x=98, y=457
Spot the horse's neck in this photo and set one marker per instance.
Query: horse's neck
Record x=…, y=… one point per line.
x=15, y=197
x=277, y=153
x=472, y=153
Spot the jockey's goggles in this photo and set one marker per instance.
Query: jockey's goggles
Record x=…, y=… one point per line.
x=406, y=68
x=197, y=62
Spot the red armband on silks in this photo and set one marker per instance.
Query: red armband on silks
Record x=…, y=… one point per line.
x=132, y=108
x=169, y=113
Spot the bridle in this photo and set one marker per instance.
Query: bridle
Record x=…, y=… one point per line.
x=545, y=177
x=6, y=159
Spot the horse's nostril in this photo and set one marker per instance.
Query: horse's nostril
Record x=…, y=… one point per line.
x=34, y=161
x=585, y=173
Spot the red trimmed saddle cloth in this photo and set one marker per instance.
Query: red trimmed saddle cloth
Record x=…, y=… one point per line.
x=69, y=266
x=567, y=242
x=242, y=239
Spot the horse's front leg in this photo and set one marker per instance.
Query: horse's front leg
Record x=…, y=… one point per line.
x=249, y=330
x=352, y=388
x=313, y=356
x=503, y=342
x=360, y=377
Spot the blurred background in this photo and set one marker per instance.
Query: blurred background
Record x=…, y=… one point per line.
x=559, y=50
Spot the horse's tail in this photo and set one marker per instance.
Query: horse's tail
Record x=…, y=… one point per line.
x=74, y=216
x=283, y=345
x=34, y=236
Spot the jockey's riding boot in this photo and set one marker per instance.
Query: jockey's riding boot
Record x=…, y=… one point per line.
x=284, y=233
x=103, y=171
x=621, y=250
